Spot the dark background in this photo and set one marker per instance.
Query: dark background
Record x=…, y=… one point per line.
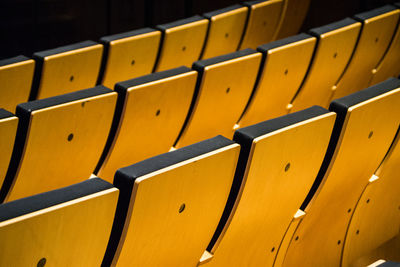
x=28, y=26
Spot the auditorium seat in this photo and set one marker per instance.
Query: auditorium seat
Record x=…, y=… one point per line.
x=335, y=45
x=262, y=22
x=150, y=113
x=293, y=14
x=272, y=179
x=170, y=205
x=66, y=69
x=65, y=227
x=225, y=30
x=389, y=66
x=376, y=218
x=366, y=124
x=285, y=63
x=129, y=55
x=8, y=130
x=182, y=42
x=371, y=47
x=59, y=141
x=223, y=89
x=16, y=76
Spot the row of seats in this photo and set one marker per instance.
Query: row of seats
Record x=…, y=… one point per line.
x=238, y=199
x=295, y=73
x=132, y=54
x=184, y=105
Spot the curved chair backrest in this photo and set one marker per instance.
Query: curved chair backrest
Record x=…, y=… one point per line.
x=284, y=65
x=170, y=205
x=272, y=179
x=150, y=113
x=182, y=42
x=370, y=49
x=129, y=55
x=335, y=45
x=16, y=75
x=262, y=22
x=366, y=124
x=389, y=67
x=223, y=89
x=65, y=227
x=59, y=141
x=225, y=30
x=66, y=69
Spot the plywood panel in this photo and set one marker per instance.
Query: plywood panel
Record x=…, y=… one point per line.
x=262, y=22
x=368, y=124
x=61, y=138
x=223, y=91
x=275, y=183
x=16, y=75
x=152, y=115
x=371, y=47
x=66, y=69
x=182, y=42
x=284, y=66
x=129, y=55
x=335, y=46
x=225, y=30
x=175, y=208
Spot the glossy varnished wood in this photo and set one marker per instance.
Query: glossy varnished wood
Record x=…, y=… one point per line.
x=371, y=46
x=181, y=44
x=389, y=66
x=368, y=131
x=276, y=182
x=152, y=116
x=262, y=22
x=130, y=57
x=225, y=31
x=65, y=139
x=15, y=82
x=280, y=257
x=333, y=52
x=74, y=233
x=222, y=94
x=158, y=232
x=376, y=219
x=67, y=72
x=283, y=72
x=293, y=15
x=8, y=131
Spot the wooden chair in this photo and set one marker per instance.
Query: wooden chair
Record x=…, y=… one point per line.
x=66, y=69
x=182, y=42
x=150, y=113
x=223, y=89
x=335, y=45
x=59, y=141
x=366, y=124
x=262, y=23
x=285, y=63
x=272, y=180
x=376, y=219
x=8, y=130
x=16, y=76
x=293, y=14
x=371, y=46
x=389, y=67
x=170, y=205
x=65, y=227
x=129, y=55
x=225, y=30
